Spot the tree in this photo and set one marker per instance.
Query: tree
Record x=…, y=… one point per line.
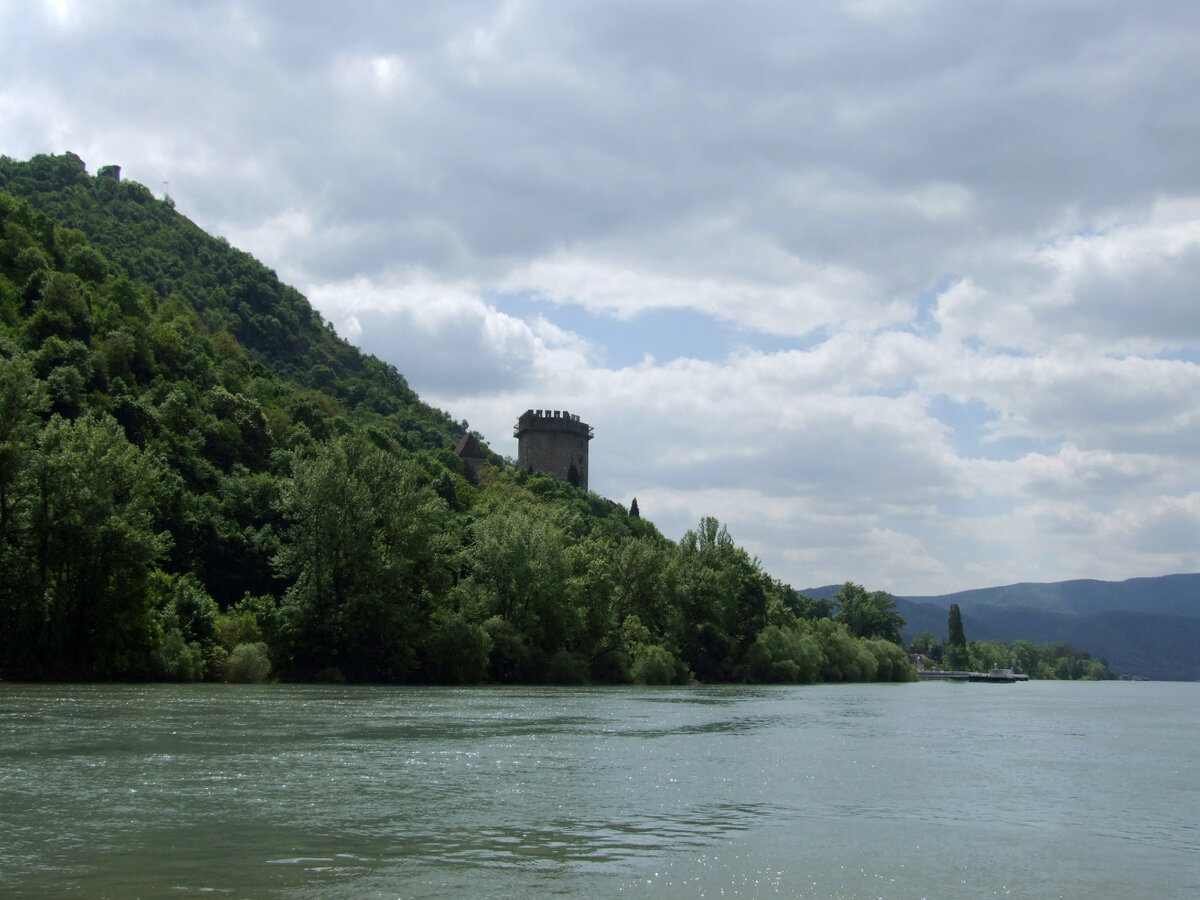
x=518, y=561
x=634, y=512
x=927, y=644
x=957, y=656
x=21, y=398
x=362, y=555
x=845, y=658
x=1025, y=657
x=787, y=653
x=616, y=578
x=988, y=655
x=868, y=615
x=723, y=600
x=893, y=663
x=811, y=608
x=84, y=542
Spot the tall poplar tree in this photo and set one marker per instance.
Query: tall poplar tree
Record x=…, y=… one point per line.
x=957, y=657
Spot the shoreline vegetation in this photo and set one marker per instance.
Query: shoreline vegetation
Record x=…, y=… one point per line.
x=199, y=480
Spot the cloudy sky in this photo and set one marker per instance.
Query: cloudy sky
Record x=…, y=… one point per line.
x=901, y=291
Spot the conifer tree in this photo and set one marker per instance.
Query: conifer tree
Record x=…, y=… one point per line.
x=956, y=645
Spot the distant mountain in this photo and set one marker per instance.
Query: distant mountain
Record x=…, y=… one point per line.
x=1142, y=626
x=1172, y=595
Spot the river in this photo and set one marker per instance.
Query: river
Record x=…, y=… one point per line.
x=1045, y=789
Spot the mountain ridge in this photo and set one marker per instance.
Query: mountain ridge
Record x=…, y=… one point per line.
x=1175, y=594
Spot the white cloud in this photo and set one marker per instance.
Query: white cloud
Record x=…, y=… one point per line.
x=384, y=75
x=443, y=337
x=1134, y=283
x=817, y=296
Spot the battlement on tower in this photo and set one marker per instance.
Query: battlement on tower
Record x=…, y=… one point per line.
x=551, y=420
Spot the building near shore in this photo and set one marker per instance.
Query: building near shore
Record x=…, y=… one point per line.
x=471, y=453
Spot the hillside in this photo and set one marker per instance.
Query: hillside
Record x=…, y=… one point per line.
x=174, y=262
x=200, y=480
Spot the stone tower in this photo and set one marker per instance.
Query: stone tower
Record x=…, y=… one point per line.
x=554, y=442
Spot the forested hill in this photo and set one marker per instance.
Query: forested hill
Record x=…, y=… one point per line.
x=176, y=265
x=200, y=480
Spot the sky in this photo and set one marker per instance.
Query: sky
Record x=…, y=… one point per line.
x=903, y=292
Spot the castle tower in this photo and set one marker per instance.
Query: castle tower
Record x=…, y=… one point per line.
x=554, y=442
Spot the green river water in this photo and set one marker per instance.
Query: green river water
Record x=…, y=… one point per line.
x=1045, y=789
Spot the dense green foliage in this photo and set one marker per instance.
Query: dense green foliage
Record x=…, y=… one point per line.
x=868, y=615
x=200, y=480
